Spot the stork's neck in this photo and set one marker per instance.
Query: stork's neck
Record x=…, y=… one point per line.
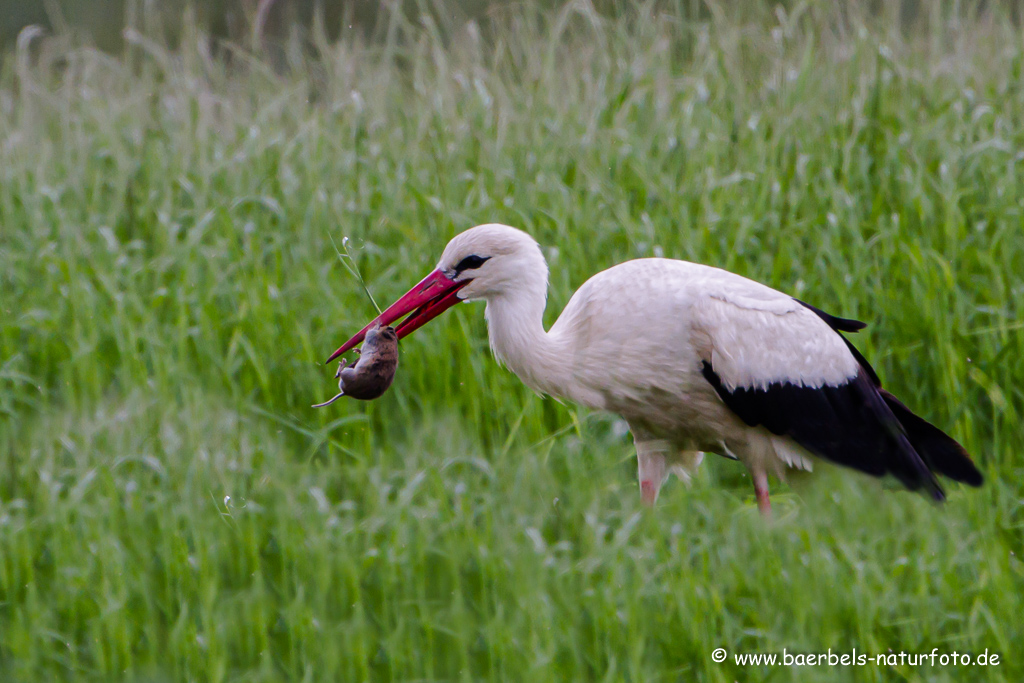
x=515, y=322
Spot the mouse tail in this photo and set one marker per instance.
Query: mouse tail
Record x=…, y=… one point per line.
x=327, y=403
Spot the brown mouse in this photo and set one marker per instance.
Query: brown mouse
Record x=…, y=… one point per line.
x=371, y=375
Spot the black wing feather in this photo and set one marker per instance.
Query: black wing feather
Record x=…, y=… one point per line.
x=848, y=424
x=857, y=423
x=940, y=451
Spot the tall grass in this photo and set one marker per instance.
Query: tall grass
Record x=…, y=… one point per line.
x=172, y=509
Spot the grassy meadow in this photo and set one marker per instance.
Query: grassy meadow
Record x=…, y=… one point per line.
x=172, y=509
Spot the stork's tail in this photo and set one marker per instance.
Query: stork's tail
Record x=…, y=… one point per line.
x=941, y=453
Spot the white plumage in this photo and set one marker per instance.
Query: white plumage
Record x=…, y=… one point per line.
x=694, y=358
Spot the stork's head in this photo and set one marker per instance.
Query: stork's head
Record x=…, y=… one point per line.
x=484, y=262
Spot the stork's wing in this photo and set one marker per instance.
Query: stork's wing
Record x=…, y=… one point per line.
x=778, y=363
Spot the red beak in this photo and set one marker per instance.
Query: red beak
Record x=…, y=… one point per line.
x=434, y=295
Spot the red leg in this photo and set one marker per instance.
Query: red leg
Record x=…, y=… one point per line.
x=761, y=490
x=651, y=461
x=648, y=492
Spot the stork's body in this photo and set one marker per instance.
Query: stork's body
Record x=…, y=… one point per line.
x=694, y=358
x=650, y=373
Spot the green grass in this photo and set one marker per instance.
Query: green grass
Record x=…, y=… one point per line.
x=172, y=509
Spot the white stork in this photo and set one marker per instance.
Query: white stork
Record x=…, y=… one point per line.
x=694, y=358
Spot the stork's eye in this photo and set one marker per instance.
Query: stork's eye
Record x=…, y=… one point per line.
x=470, y=262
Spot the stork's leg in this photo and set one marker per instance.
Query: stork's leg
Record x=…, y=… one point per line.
x=761, y=490
x=650, y=457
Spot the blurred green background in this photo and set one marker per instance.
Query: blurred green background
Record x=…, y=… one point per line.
x=170, y=196
x=102, y=21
